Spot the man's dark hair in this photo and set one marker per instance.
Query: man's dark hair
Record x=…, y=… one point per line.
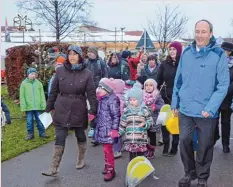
x=210, y=24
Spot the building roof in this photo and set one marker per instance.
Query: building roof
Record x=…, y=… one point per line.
x=90, y=28
x=133, y=33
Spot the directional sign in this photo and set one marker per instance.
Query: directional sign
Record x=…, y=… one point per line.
x=145, y=42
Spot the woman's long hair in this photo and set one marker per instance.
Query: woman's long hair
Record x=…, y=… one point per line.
x=169, y=59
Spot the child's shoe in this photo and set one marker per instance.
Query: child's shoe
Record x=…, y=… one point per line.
x=110, y=175
x=117, y=154
x=149, y=154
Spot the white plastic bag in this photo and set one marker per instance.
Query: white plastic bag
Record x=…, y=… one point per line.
x=46, y=119
x=162, y=118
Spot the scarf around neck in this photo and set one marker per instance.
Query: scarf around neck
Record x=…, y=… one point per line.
x=76, y=66
x=150, y=98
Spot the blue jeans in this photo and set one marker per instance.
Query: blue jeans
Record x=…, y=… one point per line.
x=6, y=111
x=30, y=122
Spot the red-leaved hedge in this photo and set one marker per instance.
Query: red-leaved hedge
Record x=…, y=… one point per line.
x=20, y=57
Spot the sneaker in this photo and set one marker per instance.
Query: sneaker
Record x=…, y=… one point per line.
x=29, y=137
x=8, y=122
x=172, y=153
x=44, y=136
x=186, y=180
x=117, y=154
x=91, y=133
x=202, y=183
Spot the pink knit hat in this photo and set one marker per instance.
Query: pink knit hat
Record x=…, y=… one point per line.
x=107, y=84
x=119, y=86
x=177, y=46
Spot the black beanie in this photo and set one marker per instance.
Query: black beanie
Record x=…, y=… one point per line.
x=227, y=46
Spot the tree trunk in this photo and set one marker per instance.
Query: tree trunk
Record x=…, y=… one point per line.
x=57, y=22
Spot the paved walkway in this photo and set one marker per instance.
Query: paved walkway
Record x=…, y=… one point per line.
x=25, y=170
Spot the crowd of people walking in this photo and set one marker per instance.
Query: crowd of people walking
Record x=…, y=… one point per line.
x=125, y=95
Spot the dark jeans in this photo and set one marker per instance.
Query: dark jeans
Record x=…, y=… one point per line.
x=225, y=121
x=166, y=138
x=133, y=155
x=62, y=133
x=152, y=137
x=6, y=111
x=205, y=133
x=30, y=122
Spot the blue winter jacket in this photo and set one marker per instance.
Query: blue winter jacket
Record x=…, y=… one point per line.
x=201, y=81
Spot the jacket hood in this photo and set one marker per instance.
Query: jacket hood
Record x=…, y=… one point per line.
x=68, y=66
x=118, y=55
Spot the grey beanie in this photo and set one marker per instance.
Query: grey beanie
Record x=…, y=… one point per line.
x=75, y=48
x=93, y=49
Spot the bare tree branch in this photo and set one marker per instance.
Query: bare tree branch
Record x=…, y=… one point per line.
x=63, y=17
x=168, y=25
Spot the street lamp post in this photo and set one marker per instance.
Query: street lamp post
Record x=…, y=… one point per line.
x=122, y=29
x=22, y=23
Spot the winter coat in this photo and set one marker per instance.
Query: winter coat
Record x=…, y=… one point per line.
x=98, y=68
x=119, y=70
x=69, y=90
x=158, y=105
x=130, y=125
x=32, y=96
x=165, y=79
x=202, y=80
x=150, y=75
x=133, y=63
x=108, y=118
x=228, y=99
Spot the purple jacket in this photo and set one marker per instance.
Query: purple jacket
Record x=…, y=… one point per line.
x=108, y=118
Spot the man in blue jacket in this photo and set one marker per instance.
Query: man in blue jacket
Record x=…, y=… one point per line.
x=201, y=84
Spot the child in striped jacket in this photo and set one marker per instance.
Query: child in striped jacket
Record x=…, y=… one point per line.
x=135, y=122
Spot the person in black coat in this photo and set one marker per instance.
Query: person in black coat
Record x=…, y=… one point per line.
x=165, y=79
x=151, y=68
x=225, y=110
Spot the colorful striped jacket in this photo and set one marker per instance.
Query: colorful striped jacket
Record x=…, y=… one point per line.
x=130, y=125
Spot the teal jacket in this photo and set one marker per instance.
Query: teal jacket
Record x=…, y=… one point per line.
x=201, y=81
x=32, y=95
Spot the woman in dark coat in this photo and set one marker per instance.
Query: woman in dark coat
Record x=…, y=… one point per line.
x=117, y=68
x=72, y=83
x=225, y=109
x=165, y=79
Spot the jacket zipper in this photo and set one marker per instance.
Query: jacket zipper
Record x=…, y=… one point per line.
x=33, y=91
x=72, y=84
x=133, y=128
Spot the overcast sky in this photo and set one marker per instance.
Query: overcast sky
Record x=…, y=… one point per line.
x=133, y=14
